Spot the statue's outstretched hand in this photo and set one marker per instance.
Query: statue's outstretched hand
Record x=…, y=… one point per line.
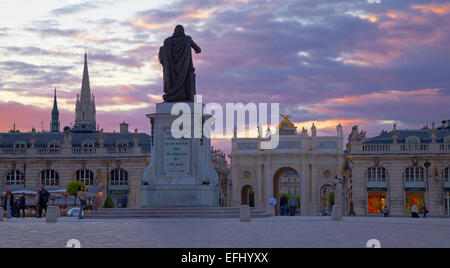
x=198, y=51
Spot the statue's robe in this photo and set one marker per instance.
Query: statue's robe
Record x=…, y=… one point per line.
x=178, y=68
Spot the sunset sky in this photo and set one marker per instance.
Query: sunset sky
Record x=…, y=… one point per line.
x=325, y=61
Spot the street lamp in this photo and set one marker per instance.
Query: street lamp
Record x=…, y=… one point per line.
x=427, y=165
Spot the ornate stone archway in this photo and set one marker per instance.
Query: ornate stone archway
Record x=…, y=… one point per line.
x=315, y=159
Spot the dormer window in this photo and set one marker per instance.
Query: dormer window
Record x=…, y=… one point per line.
x=54, y=148
x=413, y=144
x=88, y=147
x=412, y=140
x=20, y=145
x=122, y=147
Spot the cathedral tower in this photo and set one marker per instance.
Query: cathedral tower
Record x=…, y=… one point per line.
x=85, y=108
x=54, y=125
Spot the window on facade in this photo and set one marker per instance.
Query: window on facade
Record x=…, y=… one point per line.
x=15, y=177
x=85, y=176
x=415, y=174
x=49, y=178
x=376, y=174
x=446, y=174
x=119, y=177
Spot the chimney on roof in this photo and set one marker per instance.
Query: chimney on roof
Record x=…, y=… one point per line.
x=124, y=128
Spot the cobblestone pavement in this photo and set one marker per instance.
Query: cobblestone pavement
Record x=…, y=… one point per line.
x=228, y=233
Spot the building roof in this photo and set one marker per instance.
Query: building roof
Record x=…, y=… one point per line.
x=423, y=134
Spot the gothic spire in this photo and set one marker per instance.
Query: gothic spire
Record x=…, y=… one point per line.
x=54, y=125
x=55, y=103
x=85, y=86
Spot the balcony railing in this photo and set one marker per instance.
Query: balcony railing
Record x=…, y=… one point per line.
x=444, y=147
x=414, y=147
x=75, y=152
x=118, y=151
x=84, y=151
x=376, y=148
x=14, y=151
x=48, y=151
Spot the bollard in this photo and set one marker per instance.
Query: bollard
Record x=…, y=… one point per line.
x=270, y=210
x=1, y=213
x=246, y=214
x=52, y=214
x=336, y=214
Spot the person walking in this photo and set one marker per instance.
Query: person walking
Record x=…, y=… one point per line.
x=425, y=211
x=283, y=205
x=9, y=203
x=16, y=211
x=82, y=197
x=386, y=212
x=292, y=206
x=22, y=206
x=42, y=200
x=414, y=211
x=273, y=203
x=352, y=210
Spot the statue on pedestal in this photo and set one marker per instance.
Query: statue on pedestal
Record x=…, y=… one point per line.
x=178, y=68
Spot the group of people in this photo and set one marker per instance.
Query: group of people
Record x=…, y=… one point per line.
x=415, y=211
x=14, y=207
x=285, y=203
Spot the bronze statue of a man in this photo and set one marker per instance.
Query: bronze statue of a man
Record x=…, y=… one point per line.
x=179, y=71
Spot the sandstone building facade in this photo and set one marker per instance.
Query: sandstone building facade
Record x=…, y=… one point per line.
x=400, y=168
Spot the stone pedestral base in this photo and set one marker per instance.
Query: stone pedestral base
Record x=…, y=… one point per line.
x=52, y=214
x=246, y=214
x=337, y=213
x=180, y=173
x=179, y=195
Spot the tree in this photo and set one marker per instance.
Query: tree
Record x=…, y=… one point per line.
x=109, y=202
x=72, y=189
x=331, y=199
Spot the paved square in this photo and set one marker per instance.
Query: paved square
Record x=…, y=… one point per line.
x=228, y=233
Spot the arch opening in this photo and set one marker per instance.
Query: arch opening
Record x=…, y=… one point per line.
x=287, y=191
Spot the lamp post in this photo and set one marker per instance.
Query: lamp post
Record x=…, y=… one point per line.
x=427, y=165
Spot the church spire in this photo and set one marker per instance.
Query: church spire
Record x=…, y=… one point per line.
x=54, y=125
x=85, y=108
x=86, y=86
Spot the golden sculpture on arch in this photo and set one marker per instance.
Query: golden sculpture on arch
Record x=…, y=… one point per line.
x=286, y=122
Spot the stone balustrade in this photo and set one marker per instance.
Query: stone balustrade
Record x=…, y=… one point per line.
x=72, y=152
x=419, y=148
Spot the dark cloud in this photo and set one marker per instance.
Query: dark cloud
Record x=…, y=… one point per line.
x=76, y=8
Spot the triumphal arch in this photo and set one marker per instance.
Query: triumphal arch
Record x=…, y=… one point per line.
x=256, y=173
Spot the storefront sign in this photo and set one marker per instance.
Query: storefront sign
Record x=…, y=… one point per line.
x=377, y=189
x=118, y=192
x=415, y=190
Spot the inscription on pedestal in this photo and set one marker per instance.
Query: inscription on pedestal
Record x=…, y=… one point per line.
x=176, y=156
